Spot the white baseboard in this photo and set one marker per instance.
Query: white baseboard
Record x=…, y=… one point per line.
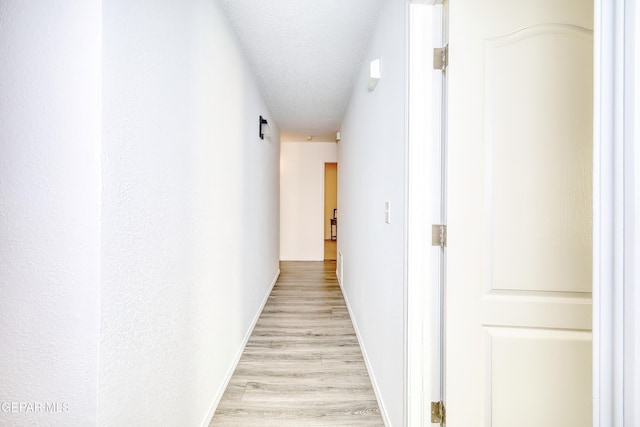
x=376, y=390
x=236, y=360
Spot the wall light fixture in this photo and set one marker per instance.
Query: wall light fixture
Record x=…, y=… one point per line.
x=264, y=131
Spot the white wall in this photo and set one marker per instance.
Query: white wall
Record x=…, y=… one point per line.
x=632, y=206
x=371, y=156
x=190, y=230
x=302, y=199
x=49, y=211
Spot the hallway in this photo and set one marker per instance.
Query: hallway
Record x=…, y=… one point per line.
x=302, y=364
x=141, y=205
x=141, y=212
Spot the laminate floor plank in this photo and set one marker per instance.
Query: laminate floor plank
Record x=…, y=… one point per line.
x=302, y=365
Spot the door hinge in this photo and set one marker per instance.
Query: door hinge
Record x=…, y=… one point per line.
x=441, y=58
x=438, y=413
x=439, y=235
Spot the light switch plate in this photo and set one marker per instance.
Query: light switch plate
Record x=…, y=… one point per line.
x=387, y=212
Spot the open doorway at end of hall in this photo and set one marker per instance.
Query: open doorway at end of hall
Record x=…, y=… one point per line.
x=330, y=211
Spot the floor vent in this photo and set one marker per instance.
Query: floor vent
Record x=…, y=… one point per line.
x=340, y=266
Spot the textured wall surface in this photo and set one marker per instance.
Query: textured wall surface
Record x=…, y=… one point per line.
x=191, y=210
x=371, y=156
x=49, y=212
x=302, y=199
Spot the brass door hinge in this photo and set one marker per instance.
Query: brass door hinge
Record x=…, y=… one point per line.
x=441, y=58
x=438, y=413
x=439, y=235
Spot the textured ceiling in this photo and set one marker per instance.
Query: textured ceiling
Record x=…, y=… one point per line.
x=305, y=54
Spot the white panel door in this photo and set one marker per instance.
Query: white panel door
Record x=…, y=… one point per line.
x=518, y=296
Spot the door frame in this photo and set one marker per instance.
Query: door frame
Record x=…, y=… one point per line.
x=616, y=232
x=616, y=205
x=421, y=199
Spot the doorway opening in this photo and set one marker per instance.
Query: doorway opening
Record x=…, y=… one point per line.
x=330, y=211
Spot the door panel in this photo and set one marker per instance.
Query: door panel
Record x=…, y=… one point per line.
x=518, y=297
x=553, y=361
x=538, y=166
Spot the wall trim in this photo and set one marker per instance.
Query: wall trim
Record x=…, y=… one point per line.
x=423, y=162
x=616, y=380
x=376, y=390
x=631, y=333
x=236, y=360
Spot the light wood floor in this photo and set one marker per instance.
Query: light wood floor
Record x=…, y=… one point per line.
x=302, y=365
